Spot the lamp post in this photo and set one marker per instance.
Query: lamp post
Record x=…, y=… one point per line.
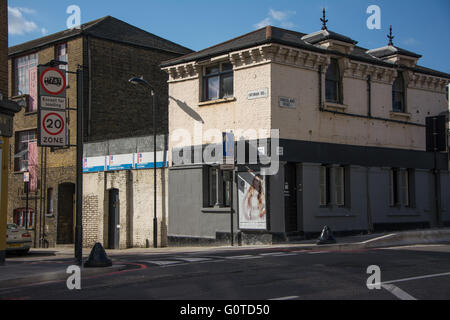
x=141, y=81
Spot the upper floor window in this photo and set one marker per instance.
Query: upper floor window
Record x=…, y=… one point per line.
x=398, y=94
x=22, y=68
x=218, y=82
x=333, y=82
x=61, y=55
x=22, y=151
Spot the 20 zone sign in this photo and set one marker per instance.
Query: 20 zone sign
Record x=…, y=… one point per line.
x=53, y=128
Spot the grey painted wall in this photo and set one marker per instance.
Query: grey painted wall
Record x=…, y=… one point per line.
x=187, y=217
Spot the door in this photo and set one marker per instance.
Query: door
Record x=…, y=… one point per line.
x=65, y=230
x=114, y=220
x=290, y=197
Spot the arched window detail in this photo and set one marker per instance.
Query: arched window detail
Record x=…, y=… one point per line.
x=333, y=83
x=398, y=94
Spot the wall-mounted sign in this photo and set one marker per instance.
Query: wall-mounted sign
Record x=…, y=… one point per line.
x=52, y=128
x=6, y=125
x=258, y=94
x=228, y=148
x=135, y=161
x=120, y=162
x=145, y=160
x=289, y=103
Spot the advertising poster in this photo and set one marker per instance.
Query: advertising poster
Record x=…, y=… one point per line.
x=252, y=201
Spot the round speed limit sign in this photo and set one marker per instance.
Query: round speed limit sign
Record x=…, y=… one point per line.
x=53, y=81
x=53, y=125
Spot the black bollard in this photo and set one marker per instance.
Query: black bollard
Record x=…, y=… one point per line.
x=326, y=237
x=98, y=258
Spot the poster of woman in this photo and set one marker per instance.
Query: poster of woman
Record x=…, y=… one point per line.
x=252, y=201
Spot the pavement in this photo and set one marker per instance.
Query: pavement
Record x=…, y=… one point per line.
x=44, y=266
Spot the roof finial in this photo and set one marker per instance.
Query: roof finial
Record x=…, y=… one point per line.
x=324, y=20
x=390, y=37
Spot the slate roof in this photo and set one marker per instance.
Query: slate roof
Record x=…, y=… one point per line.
x=108, y=28
x=323, y=35
x=291, y=38
x=391, y=50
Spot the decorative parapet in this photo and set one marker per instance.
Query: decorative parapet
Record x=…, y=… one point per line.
x=280, y=54
x=360, y=70
x=426, y=82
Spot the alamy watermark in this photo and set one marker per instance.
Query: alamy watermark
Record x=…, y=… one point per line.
x=374, y=281
x=74, y=280
x=74, y=20
x=253, y=147
x=374, y=20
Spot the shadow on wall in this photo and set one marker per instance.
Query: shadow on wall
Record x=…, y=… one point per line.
x=191, y=112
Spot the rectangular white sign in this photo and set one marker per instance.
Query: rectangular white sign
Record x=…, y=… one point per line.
x=287, y=102
x=258, y=94
x=53, y=102
x=52, y=128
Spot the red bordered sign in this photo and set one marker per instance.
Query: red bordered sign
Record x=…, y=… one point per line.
x=52, y=128
x=52, y=81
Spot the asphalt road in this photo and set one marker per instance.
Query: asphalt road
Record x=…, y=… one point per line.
x=419, y=272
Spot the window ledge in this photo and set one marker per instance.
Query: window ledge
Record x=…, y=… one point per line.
x=218, y=101
x=216, y=210
x=334, y=215
x=335, y=107
x=28, y=114
x=402, y=115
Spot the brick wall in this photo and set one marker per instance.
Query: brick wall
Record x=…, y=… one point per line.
x=3, y=48
x=60, y=164
x=90, y=220
x=136, y=207
x=118, y=104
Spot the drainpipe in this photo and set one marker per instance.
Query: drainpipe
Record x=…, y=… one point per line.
x=90, y=86
x=320, y=89
x=369, y=96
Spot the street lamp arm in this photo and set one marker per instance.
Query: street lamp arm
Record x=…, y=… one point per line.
x=141, y=81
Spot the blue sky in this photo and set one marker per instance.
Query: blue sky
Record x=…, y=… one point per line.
x=420, y=26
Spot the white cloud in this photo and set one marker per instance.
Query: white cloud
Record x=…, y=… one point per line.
x=18, y=24
x=410, y=42
x=44, y=31
x=275, y=17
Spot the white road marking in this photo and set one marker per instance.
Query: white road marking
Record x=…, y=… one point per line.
x=396, y=291
x=163, y=262
x=244, y=257
x=278, y=254
x=418, y=278
x=285, y=298
x=193, y=259
x=318, y=252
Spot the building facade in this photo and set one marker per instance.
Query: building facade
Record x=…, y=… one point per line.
x=4, y=49
x=109, y=52
x=344, y=125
